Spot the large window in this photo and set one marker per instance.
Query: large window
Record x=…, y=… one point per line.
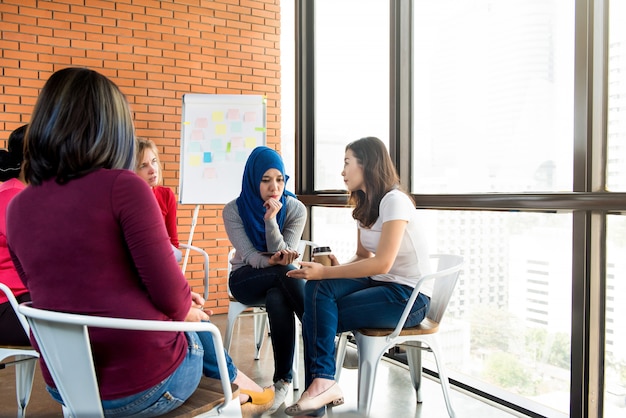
x=351, y=81
x=616, y=128
x=615, y=286
x=493, y=110
x=287, y=89
x=615, y=322
x=508, y=325
x=493, y=96
x=512, y=143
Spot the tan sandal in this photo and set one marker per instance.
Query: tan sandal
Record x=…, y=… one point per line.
x=333, y=396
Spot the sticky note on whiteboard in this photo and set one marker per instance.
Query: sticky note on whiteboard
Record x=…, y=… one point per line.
x=249, y=117
x=218, y=116
x=250, y=142
x=195, y=160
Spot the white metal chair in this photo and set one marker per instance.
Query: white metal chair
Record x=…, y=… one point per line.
x=64, y=342
x=372, y=343
x=25, y=360
x=188, y=248
x=237, y=309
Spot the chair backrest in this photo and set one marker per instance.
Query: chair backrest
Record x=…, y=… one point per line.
x=231, y=254
x=205, y=256
x=63, y=340
x=448, y=270
x=302, y=249
x=15, y=305
x=446, y=274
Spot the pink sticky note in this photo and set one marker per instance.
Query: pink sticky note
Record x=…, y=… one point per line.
x=202, y=123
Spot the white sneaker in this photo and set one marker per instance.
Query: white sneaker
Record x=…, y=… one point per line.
x=281, y=388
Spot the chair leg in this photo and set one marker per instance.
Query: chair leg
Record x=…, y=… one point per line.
x=66, y=412
x=295, y=374
x=340, y=354
x=414, y=359
x=24, y=376
x=260, y=321
x=370, y=351
x=234, y=310
x=443, y=377
x=232, y=410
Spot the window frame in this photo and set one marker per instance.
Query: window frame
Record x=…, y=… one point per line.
x=589, y=201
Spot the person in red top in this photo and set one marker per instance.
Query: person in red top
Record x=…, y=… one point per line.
x=11, y=331
x=149, y=169
x=86, y=237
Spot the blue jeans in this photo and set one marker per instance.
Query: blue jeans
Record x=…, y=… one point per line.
x=336, y=305
x=283, y=297
x=173, y=391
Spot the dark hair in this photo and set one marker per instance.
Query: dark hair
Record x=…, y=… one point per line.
x=379, y=175
x=11, y=159
x=81, y=123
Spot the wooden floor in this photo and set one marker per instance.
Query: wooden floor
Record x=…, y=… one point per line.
x=393, y=397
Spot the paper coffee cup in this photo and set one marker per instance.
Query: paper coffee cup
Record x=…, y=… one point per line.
x=321, y=255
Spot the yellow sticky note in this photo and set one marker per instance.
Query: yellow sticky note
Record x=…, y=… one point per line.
x=220, y=129
x=218, y=116
x=195, y=160
x=250, y=142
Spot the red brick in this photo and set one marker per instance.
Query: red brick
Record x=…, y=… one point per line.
x=86, y=11
x=35, y=12
x=155, y=51
x=68, y=17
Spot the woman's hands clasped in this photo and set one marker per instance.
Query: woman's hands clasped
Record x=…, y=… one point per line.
x=197, y=312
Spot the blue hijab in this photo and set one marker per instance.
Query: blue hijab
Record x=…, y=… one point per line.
x=250, y=203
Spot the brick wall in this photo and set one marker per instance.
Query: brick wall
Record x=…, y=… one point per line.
x=155, y=51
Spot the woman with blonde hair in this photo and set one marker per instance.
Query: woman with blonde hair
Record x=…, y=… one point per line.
x=149, y=168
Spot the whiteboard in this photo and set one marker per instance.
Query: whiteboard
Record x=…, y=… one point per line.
x=218, y=133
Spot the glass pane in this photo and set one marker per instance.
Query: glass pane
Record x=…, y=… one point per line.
x=508, y=326
x=335, y=228
x=616, y=129
x=615, y=361
x=351, y=81
x=493, y=96
x=287, y=89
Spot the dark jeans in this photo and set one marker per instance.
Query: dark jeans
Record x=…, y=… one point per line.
x=11, y=330
x=283, y=297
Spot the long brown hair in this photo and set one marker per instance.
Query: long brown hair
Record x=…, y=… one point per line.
x=379, y=175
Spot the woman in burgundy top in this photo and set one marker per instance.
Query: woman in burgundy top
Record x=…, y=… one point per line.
x=84, y=239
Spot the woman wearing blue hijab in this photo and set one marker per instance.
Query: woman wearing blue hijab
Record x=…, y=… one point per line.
x=265, y=224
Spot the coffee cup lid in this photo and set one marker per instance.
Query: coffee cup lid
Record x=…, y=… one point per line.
x=321, y=250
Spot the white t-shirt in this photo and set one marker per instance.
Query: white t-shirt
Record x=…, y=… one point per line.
x=412, y=260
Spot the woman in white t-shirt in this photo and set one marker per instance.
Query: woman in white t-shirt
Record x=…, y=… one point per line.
x=372, y=288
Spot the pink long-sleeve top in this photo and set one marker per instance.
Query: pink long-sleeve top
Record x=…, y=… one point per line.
x=8, y=274
x=93, y=246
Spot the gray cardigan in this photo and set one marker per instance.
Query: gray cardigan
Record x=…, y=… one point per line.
x=246, y=254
